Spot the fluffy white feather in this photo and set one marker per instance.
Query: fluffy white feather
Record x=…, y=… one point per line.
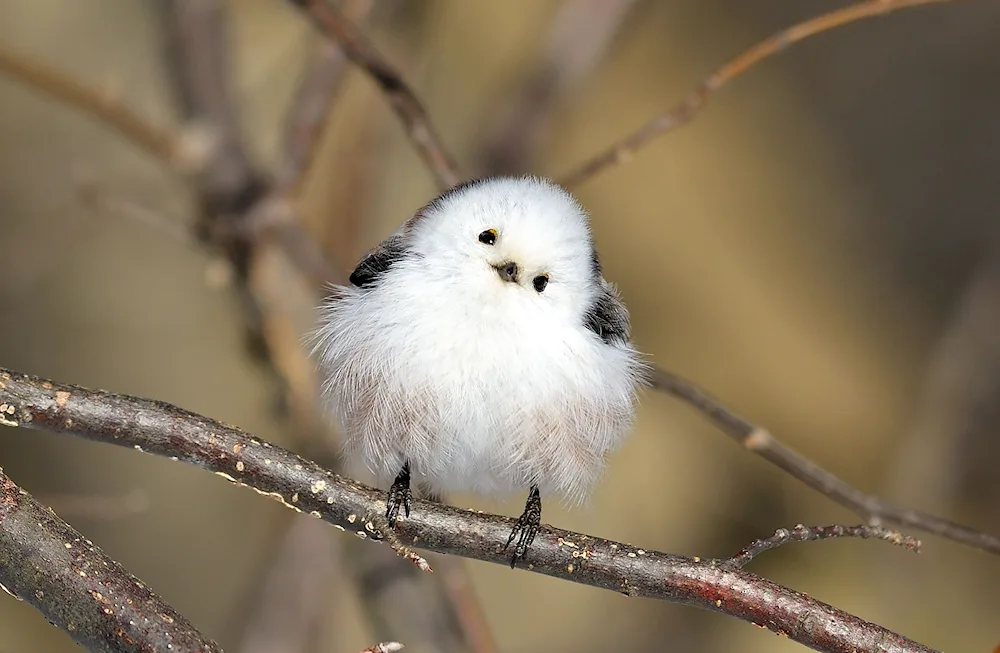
x=482, y=384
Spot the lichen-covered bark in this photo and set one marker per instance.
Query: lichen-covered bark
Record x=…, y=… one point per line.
x=162, y=429
x=45, y=562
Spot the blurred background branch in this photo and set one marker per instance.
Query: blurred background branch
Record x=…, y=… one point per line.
x=685, y=110
x=743, y=282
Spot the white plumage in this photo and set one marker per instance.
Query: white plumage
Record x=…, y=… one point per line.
x=443, y=356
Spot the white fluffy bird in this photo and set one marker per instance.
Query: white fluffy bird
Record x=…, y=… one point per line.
x=479, y=348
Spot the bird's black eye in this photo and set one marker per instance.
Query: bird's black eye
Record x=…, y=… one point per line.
x=540, y=282
x=488, y=237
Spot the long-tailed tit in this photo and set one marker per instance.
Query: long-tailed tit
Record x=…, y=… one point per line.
x=479, y=348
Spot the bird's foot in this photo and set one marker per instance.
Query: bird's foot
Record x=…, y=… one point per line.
x=526, y=527
x=399, y=495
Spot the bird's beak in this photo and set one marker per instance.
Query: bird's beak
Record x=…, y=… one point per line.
x=507, y=271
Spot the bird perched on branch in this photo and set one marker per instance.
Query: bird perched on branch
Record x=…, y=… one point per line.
x=480, y=349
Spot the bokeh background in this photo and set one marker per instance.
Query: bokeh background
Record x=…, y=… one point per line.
x=819, y=248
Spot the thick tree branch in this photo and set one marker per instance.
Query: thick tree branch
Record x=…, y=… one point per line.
x=105, y=609
x=759, y=441
x=332, y=22
x=685, y=110
x=162, y=429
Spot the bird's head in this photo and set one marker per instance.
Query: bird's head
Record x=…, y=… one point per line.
x=520, y=240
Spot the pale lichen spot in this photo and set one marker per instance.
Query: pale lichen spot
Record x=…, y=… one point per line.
x=137, y=447
x=631, y=555
x=82, y=573
x=718, y=603
x=329, y=500
x=240, y=466
x=7, y=409
x=370, y=526
x=4, y=588
x=62, y=397
x=318, y=486
x=45, y=384
x=68, y=422
x=237, y=447
x=315, y=513
x=227, y=477
x=697, y=558
x=68, y=545
x=641, y=552
x=267, y=461
x=362, y=534
x=167, y=618
x=352, y=518
x=758, y=439
x=569, y=568
x=339, y=527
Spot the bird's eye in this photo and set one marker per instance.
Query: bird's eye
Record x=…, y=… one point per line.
x=540, y=282
x=488, y=237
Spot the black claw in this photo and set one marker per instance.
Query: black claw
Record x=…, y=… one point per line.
x=526, y=527
x=399, y=493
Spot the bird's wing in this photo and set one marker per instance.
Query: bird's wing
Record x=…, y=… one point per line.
x=379, y=260
x=607, y=317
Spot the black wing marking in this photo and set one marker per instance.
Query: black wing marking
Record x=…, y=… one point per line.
x=378, y=261
x=608, y=317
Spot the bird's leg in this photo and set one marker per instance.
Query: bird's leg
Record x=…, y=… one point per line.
x=399, y=493
x=526, y=527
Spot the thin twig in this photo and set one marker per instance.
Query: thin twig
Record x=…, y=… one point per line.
x=105, y=609
x=308, y=115
x=106, y=107
x=99, y=199
x=579, y=37
x=300, y=484
x=803, y=533
x=759, y=441
x=332, y=22
x=685, y=110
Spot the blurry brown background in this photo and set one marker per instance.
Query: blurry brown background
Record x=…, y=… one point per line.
x=805, y=249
